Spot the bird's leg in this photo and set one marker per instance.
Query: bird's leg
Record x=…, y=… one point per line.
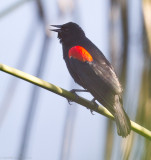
x=74, y=92
x=94, y=103
x=78, y=90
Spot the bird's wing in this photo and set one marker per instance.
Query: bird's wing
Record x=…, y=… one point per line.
x=100, y=81
x=96, y=72
x=106, y=73
x=102, y=68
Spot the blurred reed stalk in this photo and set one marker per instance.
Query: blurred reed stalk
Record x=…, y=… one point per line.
x=13, y=7
x=35, y=90
x=144, y=107
x=22, y=60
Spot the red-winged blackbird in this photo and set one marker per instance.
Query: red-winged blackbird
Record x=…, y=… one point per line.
x=91, y=70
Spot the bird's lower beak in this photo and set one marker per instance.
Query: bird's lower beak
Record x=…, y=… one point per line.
x=56, y=30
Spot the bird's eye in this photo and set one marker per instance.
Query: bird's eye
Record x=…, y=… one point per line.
x=66, y=29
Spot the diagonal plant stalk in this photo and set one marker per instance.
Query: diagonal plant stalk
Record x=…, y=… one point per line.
x=64, y=93
x=13, y=7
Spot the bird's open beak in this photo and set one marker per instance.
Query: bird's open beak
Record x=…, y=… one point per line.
x=57, y=26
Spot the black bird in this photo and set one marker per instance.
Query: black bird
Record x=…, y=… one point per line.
x=91, y=70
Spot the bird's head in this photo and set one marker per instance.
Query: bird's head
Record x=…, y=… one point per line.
x=68, y=32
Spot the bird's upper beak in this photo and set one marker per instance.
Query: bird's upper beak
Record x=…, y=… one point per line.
x=57, y=26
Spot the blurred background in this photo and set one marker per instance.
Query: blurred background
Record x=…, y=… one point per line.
x=37, y=124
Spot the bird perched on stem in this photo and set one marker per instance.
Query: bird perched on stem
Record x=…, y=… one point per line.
x=91, y=70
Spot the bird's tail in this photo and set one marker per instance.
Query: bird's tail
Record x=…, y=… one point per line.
x=122, y=120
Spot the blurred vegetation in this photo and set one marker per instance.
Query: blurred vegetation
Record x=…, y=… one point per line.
x=119, y=12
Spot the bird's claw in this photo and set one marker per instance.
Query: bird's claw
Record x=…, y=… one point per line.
x=93, y=103
x=69, y=101
x=74, y=92
x=91, y=111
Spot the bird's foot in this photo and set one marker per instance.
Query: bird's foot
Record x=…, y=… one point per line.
x=74, y=92
x=95, y=104
x=69, y=101
x=78, y=90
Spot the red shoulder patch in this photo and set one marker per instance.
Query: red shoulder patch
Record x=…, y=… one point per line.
x=80, y=53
